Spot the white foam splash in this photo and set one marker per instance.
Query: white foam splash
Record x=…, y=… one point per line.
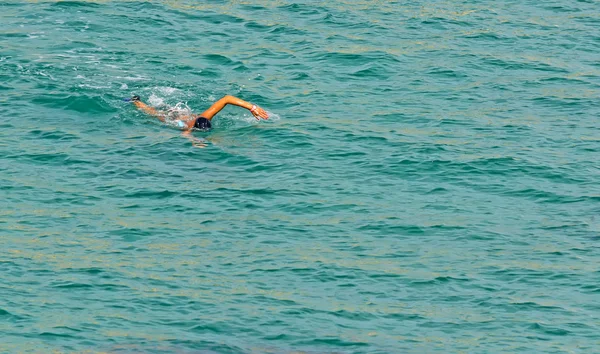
x=248, y=119
x=93, y=86
x=46, y=75
x=131, y=78
x=165, y=90
x=124, y=87
x=156, y=101
x=273, y=116
x=180, y=109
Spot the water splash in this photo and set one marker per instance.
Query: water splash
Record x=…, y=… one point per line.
x=273, y=116
x=180, y=109
x=156, y=101
x=166, y=90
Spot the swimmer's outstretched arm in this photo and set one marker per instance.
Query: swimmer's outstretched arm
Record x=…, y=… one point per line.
x=144, y=107
x=256, y=111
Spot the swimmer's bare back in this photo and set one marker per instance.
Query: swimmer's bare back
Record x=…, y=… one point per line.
x=202, y=121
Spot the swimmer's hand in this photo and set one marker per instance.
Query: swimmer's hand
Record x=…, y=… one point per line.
x=199, y=143
x=258, y=112
x=132, y=99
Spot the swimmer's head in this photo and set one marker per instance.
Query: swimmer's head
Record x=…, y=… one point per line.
x=202, y=123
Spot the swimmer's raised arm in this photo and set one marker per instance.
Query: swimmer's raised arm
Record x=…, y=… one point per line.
x=256, y=111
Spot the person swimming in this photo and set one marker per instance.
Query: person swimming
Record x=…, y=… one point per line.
x=200, y=121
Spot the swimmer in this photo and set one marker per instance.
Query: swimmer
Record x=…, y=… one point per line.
x=200, y=121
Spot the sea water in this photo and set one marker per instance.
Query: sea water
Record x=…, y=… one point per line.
x=431, y=184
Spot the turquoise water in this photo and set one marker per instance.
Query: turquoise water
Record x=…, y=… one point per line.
x=428, y=181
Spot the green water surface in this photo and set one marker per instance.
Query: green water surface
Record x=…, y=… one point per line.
x=428, y=181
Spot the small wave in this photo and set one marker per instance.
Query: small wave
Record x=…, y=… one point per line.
x=79, y=4
x=5, y=313
x=549, y=329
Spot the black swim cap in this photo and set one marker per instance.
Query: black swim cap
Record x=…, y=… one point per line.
x=202, y=123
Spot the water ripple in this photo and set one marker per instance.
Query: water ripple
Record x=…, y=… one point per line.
x=428, y=182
